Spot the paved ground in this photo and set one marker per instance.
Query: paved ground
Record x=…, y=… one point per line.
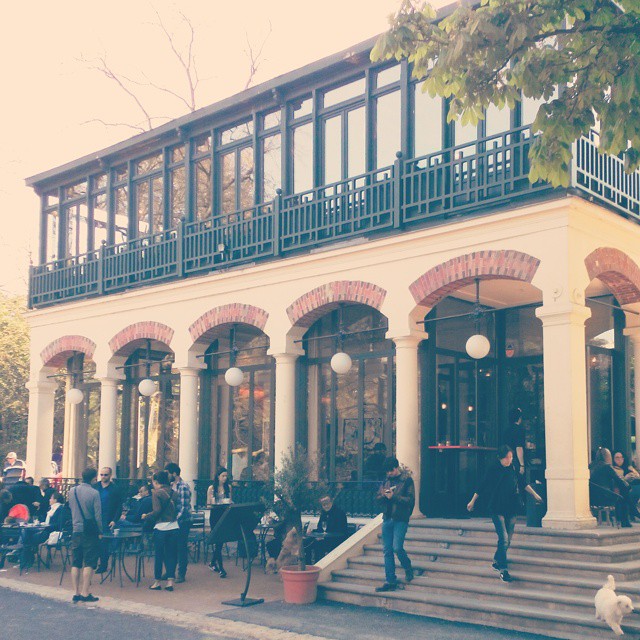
x=37, y=617
x=346, y=622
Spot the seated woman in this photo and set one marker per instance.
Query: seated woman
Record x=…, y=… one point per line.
x=630, y=475
x=607, y=488
x=218, y=493
x=18, y=514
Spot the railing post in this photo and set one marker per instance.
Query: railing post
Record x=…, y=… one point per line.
x=397, y=191
x=30, y=288
x=277, y=208
x=180, y=248
x=101, y=259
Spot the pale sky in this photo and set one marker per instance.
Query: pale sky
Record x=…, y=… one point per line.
x=50, y=94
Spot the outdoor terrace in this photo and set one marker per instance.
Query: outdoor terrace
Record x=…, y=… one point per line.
x=462, y=180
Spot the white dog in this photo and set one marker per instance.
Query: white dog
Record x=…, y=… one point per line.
x=610, y=607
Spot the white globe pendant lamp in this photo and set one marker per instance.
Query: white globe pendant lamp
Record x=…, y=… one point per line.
x=341, y=362
x=478, y=346
x=147, y=387
x=75, y=396
x=234, y=376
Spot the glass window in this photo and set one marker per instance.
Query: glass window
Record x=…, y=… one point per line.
x=272, y=120
x=157, y=204
x=356, y=148
x=302, y=108
x=464, y=135
x=142, y=208
x=149, y=164
x=228, y=162
x=523, y=336
x=121, y=208
x=77, y=230
x=343, y=93
x=177, y=154
x=497, y=120
x=53, y=227
x=202, y=144
x=100, y=219
x=599, y=327
x=427, y=128
x=271, y=166
x=203, y=189
x=178, y=179
x=238, y=132
x=99, y=182
x=51, y=199
x=247, y=178
x=333, y=149
x=388, y=129
x=303, y=158
x=388, y=76
x=75, y=190
x=121, y=173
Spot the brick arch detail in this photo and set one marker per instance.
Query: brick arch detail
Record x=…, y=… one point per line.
x=226, y=314
x=57, y=352
x=617, y=270
x=147, y=330
x=445, y=278
x=314, y=304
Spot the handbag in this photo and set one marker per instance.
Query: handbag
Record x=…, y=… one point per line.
x=90, y=525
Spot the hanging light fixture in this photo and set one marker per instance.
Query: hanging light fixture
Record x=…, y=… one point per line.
x=147, y=387
x=478, y=346
x=75, y=395
x=233, y=376
x=341, y=362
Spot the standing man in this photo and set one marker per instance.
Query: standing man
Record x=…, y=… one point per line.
x=86, y=515
x=14, y=469
x=183, y=517
x=397, y=497
x=111, y=507
x=514, y=438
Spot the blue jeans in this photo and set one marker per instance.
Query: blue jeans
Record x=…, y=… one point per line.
x=393, y=534
x=504, y=526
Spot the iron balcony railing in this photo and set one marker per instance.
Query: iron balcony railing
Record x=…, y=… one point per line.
x=411, y=192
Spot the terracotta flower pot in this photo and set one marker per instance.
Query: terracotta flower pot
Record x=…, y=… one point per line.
x=300, y=587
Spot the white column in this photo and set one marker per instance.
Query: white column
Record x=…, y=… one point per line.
x=107, y=454
x=285, y=436
x=188, y=448
x=40, y=428
x=565, y=413
x=634, y=335
x=408, y=408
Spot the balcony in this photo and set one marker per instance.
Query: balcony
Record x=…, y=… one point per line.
x=411, y=193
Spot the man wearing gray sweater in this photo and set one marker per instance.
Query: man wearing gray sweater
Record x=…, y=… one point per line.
x=86, y=514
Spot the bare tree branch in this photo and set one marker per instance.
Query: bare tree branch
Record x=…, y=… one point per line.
x=255, y=56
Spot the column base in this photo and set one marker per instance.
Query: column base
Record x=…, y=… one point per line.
x=569, y=523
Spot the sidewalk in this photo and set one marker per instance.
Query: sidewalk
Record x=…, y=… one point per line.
x=197, y=605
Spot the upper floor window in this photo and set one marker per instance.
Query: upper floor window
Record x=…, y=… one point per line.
x=236, y=168
x=344, y=93
x=202, y=177
x=427, y=122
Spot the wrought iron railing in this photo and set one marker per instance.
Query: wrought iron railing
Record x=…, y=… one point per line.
x=454, y=181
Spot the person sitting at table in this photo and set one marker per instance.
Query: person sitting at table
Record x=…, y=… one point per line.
x=28, y=495
x=18, y=514
x=218, y=493
x=139, y=506
x=45, y=494
x=333, y=527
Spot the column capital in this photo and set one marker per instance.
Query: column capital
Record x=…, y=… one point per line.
x=190, y=372
x=407, y=342
x=41, y=386
x=285, y=358
x=565, y=313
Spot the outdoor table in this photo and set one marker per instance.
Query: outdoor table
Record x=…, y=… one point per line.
x=263, y=531
x=319, y=536
x=117, y=553
x=27, y=534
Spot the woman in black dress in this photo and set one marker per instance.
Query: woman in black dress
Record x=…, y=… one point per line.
x=218, y=493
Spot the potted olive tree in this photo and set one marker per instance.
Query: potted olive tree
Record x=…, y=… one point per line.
x=293, y=494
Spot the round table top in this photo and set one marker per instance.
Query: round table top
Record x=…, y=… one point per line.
x=124, y=535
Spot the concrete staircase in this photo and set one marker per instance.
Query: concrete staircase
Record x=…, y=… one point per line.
x=557, y=575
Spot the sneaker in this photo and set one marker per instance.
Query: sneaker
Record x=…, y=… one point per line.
x=496, y=567
x=76, y=598
x=89, y=598
x=179, y=580
x=505, y=576
x=409, y=575
x=223, y=573
x=386, y=587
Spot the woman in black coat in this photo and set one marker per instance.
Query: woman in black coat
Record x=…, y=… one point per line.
x=218, y=493
x=607, y=488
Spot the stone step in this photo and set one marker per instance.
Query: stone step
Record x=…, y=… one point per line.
x=484, y=575
x=476, y=527
x=543, y=596
x=503, y=614
x=487, y=544
x=629, y=570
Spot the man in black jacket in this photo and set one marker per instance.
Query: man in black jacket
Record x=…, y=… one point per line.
x=26, y=494
x=333, y=527
x=397, y=497
x=111, y=504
